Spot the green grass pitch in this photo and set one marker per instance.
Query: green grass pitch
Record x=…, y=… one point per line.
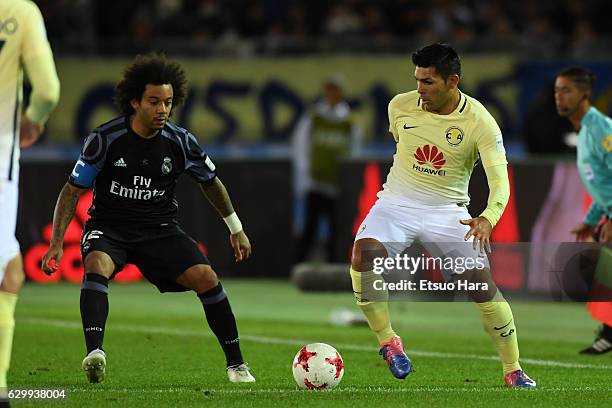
x=161, y=352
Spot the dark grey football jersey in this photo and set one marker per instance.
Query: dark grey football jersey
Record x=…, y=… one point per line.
x=134, y=178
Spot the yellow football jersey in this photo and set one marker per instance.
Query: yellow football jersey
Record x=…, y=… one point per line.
x=436, y=153
x=22, y=37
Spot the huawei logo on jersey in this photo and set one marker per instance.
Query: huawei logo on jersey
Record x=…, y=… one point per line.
x=430, y=154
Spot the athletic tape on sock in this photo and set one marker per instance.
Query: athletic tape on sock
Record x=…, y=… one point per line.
x=214, y=295
x=95, y=282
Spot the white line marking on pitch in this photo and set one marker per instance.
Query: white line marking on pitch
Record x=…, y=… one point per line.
x=241, y=390
x=297, y=342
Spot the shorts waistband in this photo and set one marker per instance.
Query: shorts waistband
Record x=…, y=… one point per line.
x=406, y=202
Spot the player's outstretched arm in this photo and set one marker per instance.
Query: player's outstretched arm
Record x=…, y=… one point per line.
x=64, y=211
x=218, y=197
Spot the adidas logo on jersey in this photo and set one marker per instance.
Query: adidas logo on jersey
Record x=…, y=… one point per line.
x=120, y=163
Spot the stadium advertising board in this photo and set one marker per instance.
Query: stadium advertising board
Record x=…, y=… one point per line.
x=260, y=100
x=538, y=218
x=260, y=192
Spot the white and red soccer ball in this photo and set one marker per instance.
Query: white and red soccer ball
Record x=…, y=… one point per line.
x=317, y=366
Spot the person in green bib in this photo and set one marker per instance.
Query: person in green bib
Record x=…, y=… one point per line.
x=324, y=136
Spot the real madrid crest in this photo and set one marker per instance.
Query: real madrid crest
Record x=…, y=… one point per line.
x=166, y=165
x=454, y=135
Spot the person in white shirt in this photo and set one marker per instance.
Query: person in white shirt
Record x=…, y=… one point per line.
x=23, y=44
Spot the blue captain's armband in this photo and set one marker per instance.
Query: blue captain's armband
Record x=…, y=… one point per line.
x=83, y=174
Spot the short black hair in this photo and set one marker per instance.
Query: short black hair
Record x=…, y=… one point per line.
x=441, y=56
x=155, y=69
x=583, y=77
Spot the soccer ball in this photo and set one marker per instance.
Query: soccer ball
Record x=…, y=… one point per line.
x=317, y=366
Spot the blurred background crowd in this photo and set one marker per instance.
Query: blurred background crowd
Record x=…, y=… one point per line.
x=243, y=27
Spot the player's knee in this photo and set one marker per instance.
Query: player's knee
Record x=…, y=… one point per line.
x=207, y=278
x=199, y=278
x=484, y=288
x=14, y=275
x=99, y=263
x=364, y=253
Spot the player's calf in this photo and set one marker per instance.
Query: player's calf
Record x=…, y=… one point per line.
x=373, y=303
x=223, y=324
x=7, y=325
x=11, y=284
x=498, y=322
x=94, y=309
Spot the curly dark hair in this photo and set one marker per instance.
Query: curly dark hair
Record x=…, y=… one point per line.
x=155, y=69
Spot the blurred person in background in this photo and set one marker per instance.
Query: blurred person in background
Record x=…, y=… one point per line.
x=573, y=93
x=23, y=44
x=325, y=135
x=544, y=131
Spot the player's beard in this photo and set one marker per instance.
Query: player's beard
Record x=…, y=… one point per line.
x=436, y=101
x=433, y=105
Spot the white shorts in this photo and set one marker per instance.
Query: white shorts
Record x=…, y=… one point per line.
x=9, y=247
x=398, y=223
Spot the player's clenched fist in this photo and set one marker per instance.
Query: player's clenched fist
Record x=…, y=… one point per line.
x=51, y=259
